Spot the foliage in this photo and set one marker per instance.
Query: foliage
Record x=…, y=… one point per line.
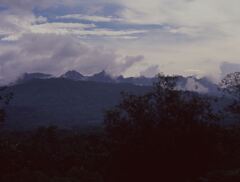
x=5, y=98
x=49, y=155
x=231, y=85
x=165, y=135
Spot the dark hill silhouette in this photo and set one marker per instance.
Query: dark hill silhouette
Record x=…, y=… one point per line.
x=63, y=102
x=202, y=85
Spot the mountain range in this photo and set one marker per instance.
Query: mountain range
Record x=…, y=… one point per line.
x=63, y=102
x=202, y=85
x=73, y=100
x=102, y=76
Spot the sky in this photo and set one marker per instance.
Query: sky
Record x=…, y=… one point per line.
x=128, y=37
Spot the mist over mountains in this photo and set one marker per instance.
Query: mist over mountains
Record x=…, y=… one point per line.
x=102, y=76
x=191, y=83
x=73, y=100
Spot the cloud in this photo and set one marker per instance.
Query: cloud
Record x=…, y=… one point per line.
x=151, y=71
x=14, y=24
x=30, y=4
x=187, y=36
x=56, y=54
x=195, y=72
x=124, y=63
x=227, y=68
x=91, y=18
x=193, y=85
x=188, y=17
x=60, y=28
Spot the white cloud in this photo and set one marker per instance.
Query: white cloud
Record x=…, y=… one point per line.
x=191, y=36
x=15, y=24
x=59, y=53
x=189, y=16
x=195, y=72
x=111, y=33
x=151, y=71
x=92, y=18
x=193, y=85
x=227, y=67
x=60, y=28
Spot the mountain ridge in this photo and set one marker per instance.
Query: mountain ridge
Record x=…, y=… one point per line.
x=63, y=102
x=191, y=83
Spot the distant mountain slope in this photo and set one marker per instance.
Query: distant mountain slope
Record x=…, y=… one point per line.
x=73, y=75
x=202, y=85
x=63, y=102
x=102, y=77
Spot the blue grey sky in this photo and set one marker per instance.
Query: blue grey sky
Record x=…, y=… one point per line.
x=129, y=37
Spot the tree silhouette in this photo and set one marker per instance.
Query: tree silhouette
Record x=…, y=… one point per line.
x=164, y=135
x=5, y=98
x=231, y=85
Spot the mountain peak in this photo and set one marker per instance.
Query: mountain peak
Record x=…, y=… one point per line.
x=102, y=76
x=102, y=73
x=73, y=75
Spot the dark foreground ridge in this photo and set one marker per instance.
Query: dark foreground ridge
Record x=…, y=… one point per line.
x=162, y=134
x=73, y=100
x=62, y=102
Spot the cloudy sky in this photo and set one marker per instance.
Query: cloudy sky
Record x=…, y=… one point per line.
x=130, y=37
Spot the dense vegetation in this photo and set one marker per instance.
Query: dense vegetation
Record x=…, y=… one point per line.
x=165, y=135
x=62, y=102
